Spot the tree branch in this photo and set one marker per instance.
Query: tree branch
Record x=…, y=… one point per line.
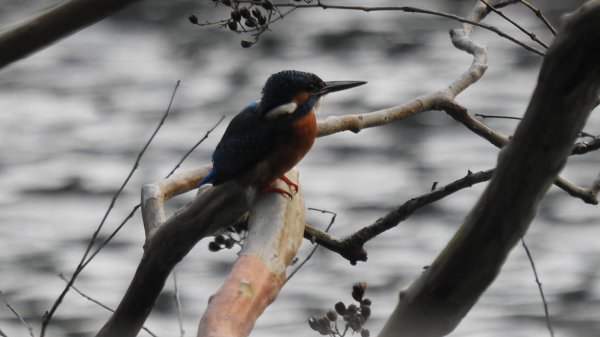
x=568, y=89
x=275, y=226
x=165, y=247
x=512, y=22
x=540, y=15
x=54, y=24
x=409, y=9
x=439, y=100
x=499, y=140
x=351, y=247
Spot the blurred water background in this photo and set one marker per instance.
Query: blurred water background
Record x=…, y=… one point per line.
x=74, y=116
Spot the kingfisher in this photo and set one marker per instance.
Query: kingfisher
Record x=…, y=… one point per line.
x=269, y=137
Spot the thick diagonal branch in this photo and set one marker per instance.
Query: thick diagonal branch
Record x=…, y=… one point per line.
x=165, y=247
x=55, y=23
x=568, y=89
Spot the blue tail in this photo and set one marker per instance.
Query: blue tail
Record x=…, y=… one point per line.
x=207, y=179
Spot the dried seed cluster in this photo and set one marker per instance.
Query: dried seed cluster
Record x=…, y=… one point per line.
x=354, y=315
x=245, y=17
x=234, y=235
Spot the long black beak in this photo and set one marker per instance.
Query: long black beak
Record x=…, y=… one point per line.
x=334, y=86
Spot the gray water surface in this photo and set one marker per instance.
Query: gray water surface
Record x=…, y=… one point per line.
x=74, y=116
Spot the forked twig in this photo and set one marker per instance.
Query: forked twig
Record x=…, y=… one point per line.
x=409, y=9
x=49, y=314
x=525, y=31
x=540, y=15
x=195, y=146
x=314, y=249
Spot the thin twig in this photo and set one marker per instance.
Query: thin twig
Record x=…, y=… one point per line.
x=112, y=235
x=409, y=9
x=194, y=147
x=82, y=294
x=21, y=319
x=178, y=304
x=539, y=284
x=48, y=316
x=136, y=207
x=525, y=31
x=314, y=249
x=540, y=15
x=498, y=117
x=2, y=334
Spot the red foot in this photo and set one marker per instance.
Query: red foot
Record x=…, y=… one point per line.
x=289, y=182
x=272, y=188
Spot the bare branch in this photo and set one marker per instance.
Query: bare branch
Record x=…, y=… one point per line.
x=567, y=91
x=54, y=24
x=195, y=146
x=409, y=9
x=499, y=140
x=434, y=101
x=166, y=246
x=540, y=15
x=351, y=247
x=512, y=22
x=48, y=316
x=585, y=147
x=275, y=225
x=314, y=249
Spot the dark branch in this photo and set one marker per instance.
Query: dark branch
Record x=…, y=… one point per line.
x=165, y=248
x=48, y=316
x=54, y=24
x=351, y=247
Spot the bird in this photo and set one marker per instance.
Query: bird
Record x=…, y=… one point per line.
x=270, y=136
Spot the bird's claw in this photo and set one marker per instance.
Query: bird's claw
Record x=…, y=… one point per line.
x=272, y=188
x=287, y=192
x=290, y=183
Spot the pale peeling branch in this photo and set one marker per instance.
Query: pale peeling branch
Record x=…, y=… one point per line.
x=275, y=225
x=439, y=100
x=166, y=244
x=567, y=91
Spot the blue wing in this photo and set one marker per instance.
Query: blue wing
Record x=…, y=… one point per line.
x=244, y=144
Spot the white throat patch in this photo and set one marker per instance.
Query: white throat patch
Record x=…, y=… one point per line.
x=318, y=105
x=285, y=109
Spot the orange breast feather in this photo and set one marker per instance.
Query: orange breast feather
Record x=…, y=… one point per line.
x=304, y=131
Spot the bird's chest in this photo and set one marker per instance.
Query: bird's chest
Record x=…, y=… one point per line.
x=295, y=142
x=304, y=132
